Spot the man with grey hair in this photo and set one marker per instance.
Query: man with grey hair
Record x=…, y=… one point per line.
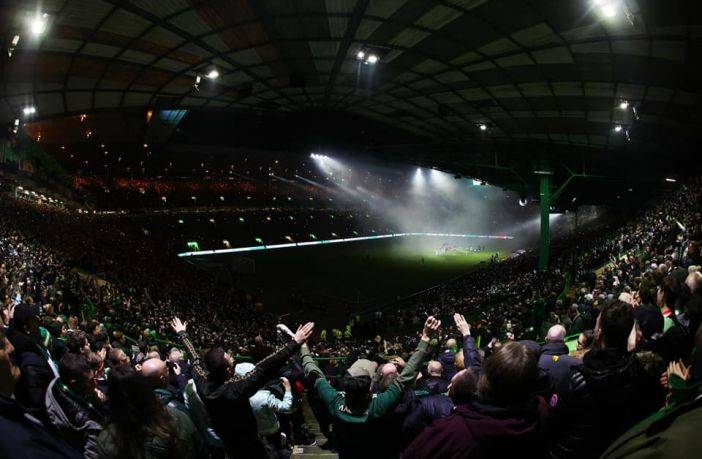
x=555, y=360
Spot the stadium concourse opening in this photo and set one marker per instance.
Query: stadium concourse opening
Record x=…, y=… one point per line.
x=361, y=228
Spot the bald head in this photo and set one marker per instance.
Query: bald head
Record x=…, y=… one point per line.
x=388, y=373
x=434, y=368
x=388, y=369
x=156, y=372
x=556, y=334
x=451, y=343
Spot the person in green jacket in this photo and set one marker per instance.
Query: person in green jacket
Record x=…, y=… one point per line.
x=357, y=414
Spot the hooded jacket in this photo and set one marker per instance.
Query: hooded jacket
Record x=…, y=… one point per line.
x=484, y=430
x=77, y=422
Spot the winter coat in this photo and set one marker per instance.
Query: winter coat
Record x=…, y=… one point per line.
x=556, y=362
x=75, y=419
x=479, y=430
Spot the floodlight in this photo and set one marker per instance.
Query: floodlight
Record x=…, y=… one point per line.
x=624, y=105
x=372, y=59
x=212, y=74
x=37, y=25
x=618, y=128
x=483, y=126
x=609, y=10
x=360, y=55
x=29, y=110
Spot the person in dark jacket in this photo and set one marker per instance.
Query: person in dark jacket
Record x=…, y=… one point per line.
x=506, y=419
x=554, y=359
x=37, y=368
x=448, y=359
x=23, y=436
x=436, y=384
x=156, y=373
x=226, y=396
x=425, y=410
x=69, y=406
x=610, y=392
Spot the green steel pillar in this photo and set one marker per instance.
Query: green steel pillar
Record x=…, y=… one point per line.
x=545, y=199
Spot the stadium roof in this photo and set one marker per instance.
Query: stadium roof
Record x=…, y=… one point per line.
x=551, y=74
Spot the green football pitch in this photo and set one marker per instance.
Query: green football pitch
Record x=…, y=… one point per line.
x=356, y=275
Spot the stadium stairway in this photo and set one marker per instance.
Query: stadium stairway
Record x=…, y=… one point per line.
x=312, y=452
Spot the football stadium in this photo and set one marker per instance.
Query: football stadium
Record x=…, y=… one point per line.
x=272, y=229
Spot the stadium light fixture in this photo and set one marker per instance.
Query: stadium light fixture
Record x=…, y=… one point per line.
x=372, y=59
x=360, y=55
x=670, y=180
x=29, y=110
x=13, y=45
x=37, y=24
x=523, y=201
x=482, y=126
x=618, y=128
x=624, y=105
x=212, y=74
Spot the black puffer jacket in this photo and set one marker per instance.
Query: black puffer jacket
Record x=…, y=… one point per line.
x=609, y=394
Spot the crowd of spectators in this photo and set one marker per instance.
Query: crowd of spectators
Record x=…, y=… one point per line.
x=473, y=382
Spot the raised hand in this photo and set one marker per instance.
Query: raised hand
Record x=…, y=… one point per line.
x=461, y=324
x=178, y=326
x=303, y=333
x=431, y=328
x=678, y=369
x=286, y=383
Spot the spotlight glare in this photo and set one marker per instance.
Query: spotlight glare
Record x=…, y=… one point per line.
x=483, y=127
x=360, y=55
x=670, y=180
x=372, y=59
x=213, y=74
x=523, y=201
x=29, y=110
x=624, y=105
x=37, y=25
x=618, y=128
x=609, y=10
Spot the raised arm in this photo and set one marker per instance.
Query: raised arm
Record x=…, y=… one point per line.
x=411, y=370
x=267, y=368
x=471, y=357
x=198, y=369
